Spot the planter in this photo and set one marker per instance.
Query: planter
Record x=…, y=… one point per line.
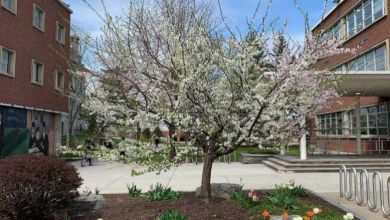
x=246, y=158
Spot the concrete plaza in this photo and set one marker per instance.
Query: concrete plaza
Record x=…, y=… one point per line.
x=112, y=178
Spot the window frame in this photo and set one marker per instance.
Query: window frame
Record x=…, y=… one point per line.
x=13, y=62
x=59, y=24
x=346, y=36
x=61, y=88
x=42, y=74
x=13, y=10
x=345, y=67
x=43, y=21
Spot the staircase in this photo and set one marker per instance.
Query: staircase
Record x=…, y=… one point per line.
x=286, y=164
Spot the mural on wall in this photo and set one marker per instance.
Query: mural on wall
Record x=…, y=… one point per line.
x=39, y=124
x=14, y=134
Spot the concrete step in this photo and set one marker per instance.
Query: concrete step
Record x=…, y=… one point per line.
x=284, y=166
x=332, y=160
x=320, y=164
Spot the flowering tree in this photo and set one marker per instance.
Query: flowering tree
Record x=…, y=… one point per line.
x=166, y=63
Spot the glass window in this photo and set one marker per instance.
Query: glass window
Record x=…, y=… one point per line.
x=7, y=4
x=7, y=62
x=361, y=64
x=374, y=60
x=352, y=67
x=372, y=120
x=328, y=125
x=382, y=108
x=373, y=109
x=37, y=73
x=382, y=131
x=39, y=18
x=60, y=33
x=367, y=8
x=380, y=59
x=378, y=9
x=10, y=5
x=359, y=18
x=382, y=120
x=60, y=81
x=336, y=31
x=370, y=62
x=339, y=117
x=351, y=24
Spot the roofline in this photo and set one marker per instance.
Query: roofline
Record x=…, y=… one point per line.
x=66, y=6
x=327, y=15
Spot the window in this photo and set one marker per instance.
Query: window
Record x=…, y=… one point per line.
x=374, y=60
x=380, y=59
x=351, y=24
x=364, y=15
x=37, y=73
x=374, y=120
x=331, y=124
x=378, y=9
x=367, y=7
x=7, y=62
x=39, y=18
x=59, y=81
x=370, y=61
x=10, y=5
x=352, y=67
x=359, y=18
x=60, y=35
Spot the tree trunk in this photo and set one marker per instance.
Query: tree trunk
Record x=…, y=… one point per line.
x=205, y=191
x=172, y=143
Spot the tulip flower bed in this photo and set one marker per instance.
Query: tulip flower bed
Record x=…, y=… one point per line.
x=289, y=202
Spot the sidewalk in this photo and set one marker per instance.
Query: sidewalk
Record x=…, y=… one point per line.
x=111, y=178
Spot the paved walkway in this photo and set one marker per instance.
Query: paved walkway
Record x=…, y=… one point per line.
x=112, y=178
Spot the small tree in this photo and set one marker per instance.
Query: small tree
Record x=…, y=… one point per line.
x=220, y=88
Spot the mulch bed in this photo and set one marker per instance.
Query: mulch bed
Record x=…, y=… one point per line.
x=125, y=207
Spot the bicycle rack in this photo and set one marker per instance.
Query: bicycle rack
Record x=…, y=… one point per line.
x=351, y=188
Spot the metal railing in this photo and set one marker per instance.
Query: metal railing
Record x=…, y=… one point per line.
x=359, y=189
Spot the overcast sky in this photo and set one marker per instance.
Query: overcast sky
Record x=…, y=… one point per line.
x=237, y=11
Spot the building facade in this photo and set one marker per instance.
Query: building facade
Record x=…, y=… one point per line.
x=363, y=25
x=34, y=53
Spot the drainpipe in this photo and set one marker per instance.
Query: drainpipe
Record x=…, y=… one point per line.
x=358, y=124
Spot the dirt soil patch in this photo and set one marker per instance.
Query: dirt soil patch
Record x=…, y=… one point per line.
x=124, y=207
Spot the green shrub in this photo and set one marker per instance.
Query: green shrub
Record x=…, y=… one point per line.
x=283, y=198
x=134, y=191
x=299, y=191
x=159, y=192
x=171, y=215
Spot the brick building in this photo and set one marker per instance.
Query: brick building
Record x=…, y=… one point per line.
x=34, y=52
x=365, y=25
